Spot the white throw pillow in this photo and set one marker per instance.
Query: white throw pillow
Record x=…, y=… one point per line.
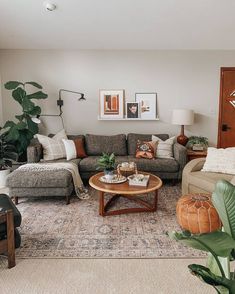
x=164, y=148
x=53, y=148
x=220, y=160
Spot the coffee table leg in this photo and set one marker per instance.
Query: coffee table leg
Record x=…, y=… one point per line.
x=155, y=200
x=101, y=208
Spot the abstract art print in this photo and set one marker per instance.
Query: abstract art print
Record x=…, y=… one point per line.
x=148, y=105
x=111, y=104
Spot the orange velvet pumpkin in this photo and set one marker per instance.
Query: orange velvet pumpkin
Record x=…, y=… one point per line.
x=196, y=213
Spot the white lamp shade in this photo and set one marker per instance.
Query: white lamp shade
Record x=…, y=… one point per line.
x=182, y=117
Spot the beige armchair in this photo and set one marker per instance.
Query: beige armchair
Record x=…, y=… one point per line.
x=196, y=181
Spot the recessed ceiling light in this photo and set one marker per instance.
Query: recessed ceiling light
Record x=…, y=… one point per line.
x=49, y=6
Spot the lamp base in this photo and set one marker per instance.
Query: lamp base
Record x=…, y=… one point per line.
x=182, y=139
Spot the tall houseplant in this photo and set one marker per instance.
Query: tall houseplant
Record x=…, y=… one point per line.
x=7, y=155
x=21, y=132
x=219, y=244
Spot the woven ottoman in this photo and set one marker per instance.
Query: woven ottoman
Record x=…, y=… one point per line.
x=23, y=183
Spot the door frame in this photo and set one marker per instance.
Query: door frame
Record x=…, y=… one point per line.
x=222, y=70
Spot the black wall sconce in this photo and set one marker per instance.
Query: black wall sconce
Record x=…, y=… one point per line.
x=60, y=103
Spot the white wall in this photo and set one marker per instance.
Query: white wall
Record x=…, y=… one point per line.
x=182, y=79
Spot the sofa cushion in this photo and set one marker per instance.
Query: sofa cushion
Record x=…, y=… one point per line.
x=97, y=144
x=89, y=164
x=7, y=204
x=156, y=165
x=133, y=138
x=207, y=180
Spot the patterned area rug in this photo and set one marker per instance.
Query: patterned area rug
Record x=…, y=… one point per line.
x=51, y=229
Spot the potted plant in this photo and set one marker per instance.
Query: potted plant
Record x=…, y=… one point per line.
x=21, y=132
x=219, y=244
x=7, y=155
x=197, y=143
x=107, y=163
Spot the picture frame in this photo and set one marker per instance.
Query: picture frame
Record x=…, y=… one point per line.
x=148, y=105
x=132, y=110
x=111, y=104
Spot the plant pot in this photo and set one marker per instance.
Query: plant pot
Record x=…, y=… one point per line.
x=109, y=174
x=3, y=177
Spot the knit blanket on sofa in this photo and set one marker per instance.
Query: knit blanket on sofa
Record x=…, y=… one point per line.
x=81, y=191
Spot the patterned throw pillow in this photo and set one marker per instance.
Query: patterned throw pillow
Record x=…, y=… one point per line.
x=145, y=149
x=164, y=148
x=220, y=160
x=53, y=148
x=74, y=148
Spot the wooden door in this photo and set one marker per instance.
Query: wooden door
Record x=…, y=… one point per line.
x=226, y=130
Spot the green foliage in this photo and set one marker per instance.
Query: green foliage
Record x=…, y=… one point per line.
x=7, y=151
x=197, y=140
x=106, y=161
x=21, y=132
x=219, y=244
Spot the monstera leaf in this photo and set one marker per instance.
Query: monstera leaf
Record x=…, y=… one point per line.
x=224, y=201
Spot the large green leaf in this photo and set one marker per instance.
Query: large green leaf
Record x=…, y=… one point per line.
x=27, y=104
x=32, y=126
x=19, y=94
x=13, y=134
x=34, y=84
x=35, y=111
x=9, y=124
x=223, y=199
x=37, y=95
x=207, y=276
x=12, y=85
x=218, y=242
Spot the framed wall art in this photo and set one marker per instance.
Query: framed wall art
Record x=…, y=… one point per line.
x=148, y=105
x=132, y=109
x=111, y=104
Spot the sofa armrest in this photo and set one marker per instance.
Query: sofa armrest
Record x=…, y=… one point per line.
x=180, y=154
x=192, y=166
x=34, y=151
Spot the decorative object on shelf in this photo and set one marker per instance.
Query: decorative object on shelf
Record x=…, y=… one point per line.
x=7, y=156
x=148, y=105
x=116, y=179
x=107, y=163
x=21, y=133
x=132, y=110
x=197, y=143
x=60, y=103
x=127, y=168
x=182, y=117
x=231, y=99
x=196, y=213
x=111, y=104
x=138, y=180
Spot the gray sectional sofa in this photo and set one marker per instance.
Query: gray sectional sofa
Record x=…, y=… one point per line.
x=124, y=148
x=59, y=183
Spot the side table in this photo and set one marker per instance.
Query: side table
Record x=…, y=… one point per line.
x=196, y=154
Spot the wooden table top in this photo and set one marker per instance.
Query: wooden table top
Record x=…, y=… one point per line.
x=124, y=188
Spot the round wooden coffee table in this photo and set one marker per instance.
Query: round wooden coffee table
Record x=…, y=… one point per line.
x=129, y=192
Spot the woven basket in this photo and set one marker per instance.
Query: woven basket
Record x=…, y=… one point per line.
x=196, y=213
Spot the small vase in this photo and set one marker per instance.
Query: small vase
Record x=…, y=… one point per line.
x=109, y=174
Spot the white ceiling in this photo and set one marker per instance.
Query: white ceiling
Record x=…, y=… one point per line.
x=118, y=24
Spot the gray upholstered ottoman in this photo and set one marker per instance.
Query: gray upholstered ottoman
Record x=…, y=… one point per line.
x=40, y=184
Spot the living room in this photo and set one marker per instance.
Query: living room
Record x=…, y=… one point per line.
x=149, y=85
